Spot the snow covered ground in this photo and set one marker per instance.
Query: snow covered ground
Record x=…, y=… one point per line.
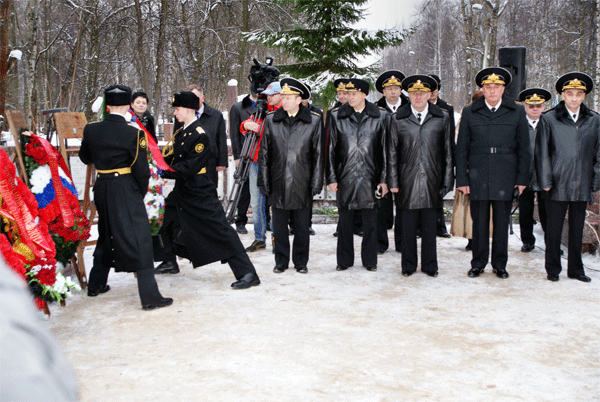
x=342, y=336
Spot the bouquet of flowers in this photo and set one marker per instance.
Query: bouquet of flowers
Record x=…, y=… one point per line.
x=25, y=242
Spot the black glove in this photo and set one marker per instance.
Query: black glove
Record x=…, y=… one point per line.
x=443, y=192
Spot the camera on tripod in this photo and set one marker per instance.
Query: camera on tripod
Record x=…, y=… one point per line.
x=261, y=75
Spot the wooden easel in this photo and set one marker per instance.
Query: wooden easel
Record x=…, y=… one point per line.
x=70, y=125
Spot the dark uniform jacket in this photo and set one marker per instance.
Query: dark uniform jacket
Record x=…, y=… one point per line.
x=148, y=121
x=420, y=160
x=239, y=112
x=493, y=153
x=533, y=182
x=290, y=160
x=194, y=217
x=356, y=159
x=383, y=104
x=213, y=124
x=124, y=239
x=568, y=153
x=450, y=109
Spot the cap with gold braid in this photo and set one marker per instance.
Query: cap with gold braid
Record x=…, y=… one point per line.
x=575, y=80
x=291, y=86
x=493, y=75
x=419, y=82
x=387, y=79
x=357, y=85
x=534, y=96
x=340, y=84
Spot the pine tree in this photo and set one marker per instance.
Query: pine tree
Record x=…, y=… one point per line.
x=323, y=43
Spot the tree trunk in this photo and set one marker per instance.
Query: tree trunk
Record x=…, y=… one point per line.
x=31, y=108
x=4, y=27
x=140, y=57
x=160, y=62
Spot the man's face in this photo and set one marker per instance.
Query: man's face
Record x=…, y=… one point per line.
x=573, y=98
x=182, y=114
x=139, y=105
x=419, y=99
x=534, y=111
x=199, y=94
x=356, y=99
x=434, y=96
x=493, y=93
x=342, y=96
x=291, y=103
x=392, y=93
x=274, y=100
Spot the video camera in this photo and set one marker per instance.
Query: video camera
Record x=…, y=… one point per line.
x=261, y=75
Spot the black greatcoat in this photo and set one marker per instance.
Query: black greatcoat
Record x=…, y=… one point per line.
x=568, y=153
x=493, y=153
x=238, y=113
x=382, y=103
x=420, y=157
x=193, y=205
x=124, y=239
x=357, y=160
x=290, y=159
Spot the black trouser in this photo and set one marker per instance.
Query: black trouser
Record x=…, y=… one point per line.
x=385, y=220
x=345, y=243
x=240, y=265
x=426, y=219
x=301, y=223
x=480, y=212
x=147, y=287
x=398, y=224
x=441, y=220
x=526, y=221
x=242, y=209
x=556, y=211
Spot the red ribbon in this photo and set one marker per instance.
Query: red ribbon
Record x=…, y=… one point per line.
x=152, y=145
x=30, y=233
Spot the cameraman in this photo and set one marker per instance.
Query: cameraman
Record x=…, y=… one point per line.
x=258, y=199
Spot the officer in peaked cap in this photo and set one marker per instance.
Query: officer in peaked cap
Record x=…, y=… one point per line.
x=567, y=166
x=493, y=157
x=534, y=100
x=195, y=226
x=118, y=151
x=389, y=84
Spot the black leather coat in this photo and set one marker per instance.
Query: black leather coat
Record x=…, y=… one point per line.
x=290, y=161
x=356, y=160
x=493, y=153
x=420, y=159
x=568, y=153
x=383, y=104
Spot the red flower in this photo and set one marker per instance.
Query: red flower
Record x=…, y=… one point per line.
x=47, y=276
x=39, y=303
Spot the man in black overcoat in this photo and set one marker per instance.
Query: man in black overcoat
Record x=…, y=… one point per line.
x=568, y=168
x=389, y=84
x=195, y=226
x=290, y=171
x=534, y=101
x=420, y=170
x=356, y=168
x=493, y=157
x=118, y=152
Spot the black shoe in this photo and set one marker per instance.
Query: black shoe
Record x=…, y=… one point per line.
x=553, y=278
x=335, y=234
x=581, y=277
x=94, y=293
x=501, y=273
x=371, y=268
x=166, y=301
x=432, y=274
x=246, y=281
x=406, y=273
x=382, y=249
x=311, y=231
x=527, y=248
x=341, y=268
x=475, y=272
x=301, y=269
x=279, y=269
x=241, y=229
x=167, y=267
x=443, y=234
x=256, y=245
x=469, y=245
